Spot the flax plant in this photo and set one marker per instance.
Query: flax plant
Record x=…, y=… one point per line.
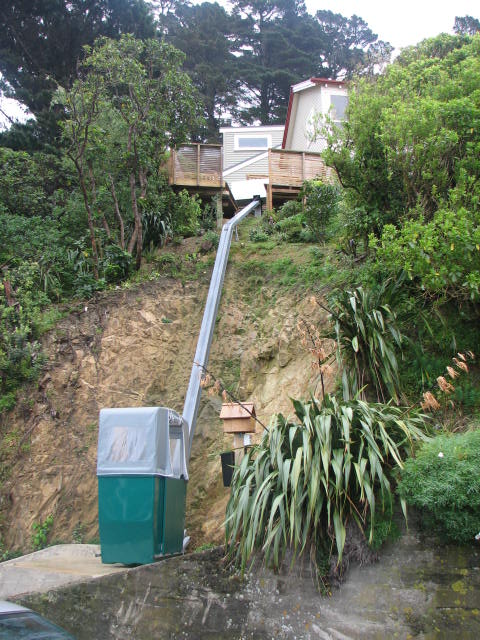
x=368, y=338
x=299, y=488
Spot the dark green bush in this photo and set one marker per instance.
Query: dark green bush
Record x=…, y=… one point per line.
x=213, y=237
x=257, y=234
x=321, y=205
x=291, y=228
x=443, y=482
x=289, y=209
x=116, y=263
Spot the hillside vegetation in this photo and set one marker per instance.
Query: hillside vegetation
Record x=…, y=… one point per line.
x=359, y=301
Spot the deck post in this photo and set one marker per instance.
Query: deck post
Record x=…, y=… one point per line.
x=269, y=202
x=198, y=165
x=219, y=209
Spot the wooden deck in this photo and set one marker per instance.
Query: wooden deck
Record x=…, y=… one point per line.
x=196, y=165
x=287, y=171
x=199, y=168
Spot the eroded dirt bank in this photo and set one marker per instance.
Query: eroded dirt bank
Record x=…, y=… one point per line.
x=135, y=347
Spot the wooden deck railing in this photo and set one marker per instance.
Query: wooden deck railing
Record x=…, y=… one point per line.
x=287, y=171
x=292, y=168
x=196, y=165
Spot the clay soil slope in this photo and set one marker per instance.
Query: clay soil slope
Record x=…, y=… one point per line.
x=134, y=347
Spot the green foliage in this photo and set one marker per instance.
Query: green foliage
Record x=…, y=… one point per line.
x=115, y=264
x=321, y=205
x=442, y=481
x=186, y=214
x=290, y=229
x=213, y=237
x=368, y=336
x=279, y=42
x=443, y=254
x=28, y=182
x=130, y=103
x=308, y=478
x=288, y=209
x=384, y=527
x=408, y=157
x=257, y=234
x=6, y=554
x=40, y=531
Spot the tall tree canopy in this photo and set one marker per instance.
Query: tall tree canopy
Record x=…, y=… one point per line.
x=40, y=45
x=130, y=103
x=242, y=63
x=349, y=46
x=409, y=158
x=205, y=33
x=282, y=44
x=41, y=41
x=466, y=26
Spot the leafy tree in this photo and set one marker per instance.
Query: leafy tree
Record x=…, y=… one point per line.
x=139, y=87
x=349, y=46
x=205, y=33
x=466, y=26
x=275, y=37
x=282, y=44
x=40, y=44
x=321, y=205
x=410, y=146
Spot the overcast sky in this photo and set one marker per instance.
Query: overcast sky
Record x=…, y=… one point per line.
x=402, y=23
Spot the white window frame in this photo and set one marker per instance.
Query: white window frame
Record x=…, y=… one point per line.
x=338, y=121
x=237, y=137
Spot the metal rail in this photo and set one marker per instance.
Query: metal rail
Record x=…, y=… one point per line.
x=194, y=391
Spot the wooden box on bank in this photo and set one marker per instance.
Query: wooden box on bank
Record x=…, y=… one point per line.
x=236, y=417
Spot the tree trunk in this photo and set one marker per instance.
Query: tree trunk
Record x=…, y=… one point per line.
x=138, y=221
x=93, y=187
x=91, y=227
x=117, y=213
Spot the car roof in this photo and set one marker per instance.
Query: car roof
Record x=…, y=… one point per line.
x=10, y=607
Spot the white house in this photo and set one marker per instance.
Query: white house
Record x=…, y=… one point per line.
x=311, y=100
x=245, y=158
x=273, y=161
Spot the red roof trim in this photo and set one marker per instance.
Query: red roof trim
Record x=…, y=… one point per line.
x=326, y=81
x=287, y=122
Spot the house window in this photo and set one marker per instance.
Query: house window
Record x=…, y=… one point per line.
x=338, y=107
x=252, y=142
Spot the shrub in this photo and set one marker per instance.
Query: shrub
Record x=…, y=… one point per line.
x=186, y=214
x=308, y=479
x=257, y=234
x=40, y=531
x=289, y=209
x=321, y=205
x=116, y=263
x=291, y=228
x=213, y=237
x=443, y=482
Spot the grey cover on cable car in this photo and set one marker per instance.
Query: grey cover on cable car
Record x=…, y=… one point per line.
x=142, y=441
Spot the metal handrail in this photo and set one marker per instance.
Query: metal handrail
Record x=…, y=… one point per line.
x=194, y=391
